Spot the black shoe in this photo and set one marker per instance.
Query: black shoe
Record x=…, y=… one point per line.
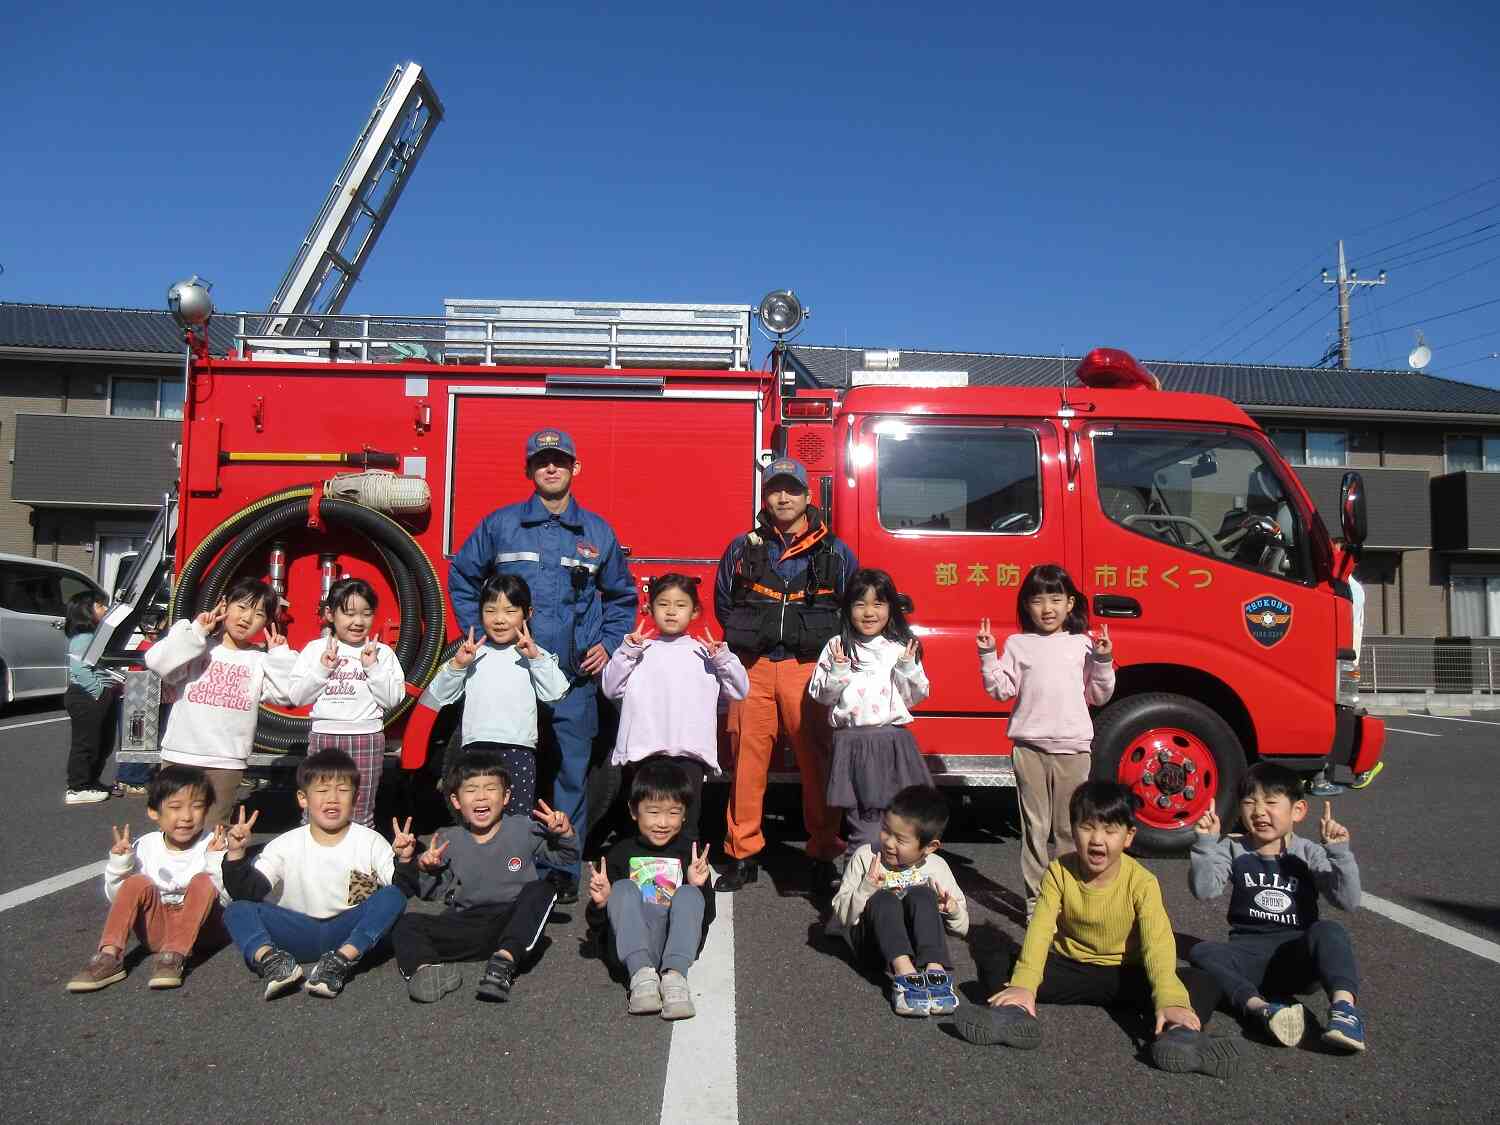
x=1181, y=1050
x=825, y=876
x=566, y=887
x=736, y=873
x=499, y=976
x=1008, y=1025
x=280, y=971
x=329, y=974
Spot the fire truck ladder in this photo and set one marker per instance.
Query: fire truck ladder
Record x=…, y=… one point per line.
x=359, y=204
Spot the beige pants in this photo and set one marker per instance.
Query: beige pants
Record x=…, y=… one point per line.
x=225, y=785
x=1044, y=786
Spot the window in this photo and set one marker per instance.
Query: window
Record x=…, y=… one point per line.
x=1211, y=493
x=1472, y=453
x=1474, y=607
x=957, y=478
x=31, y=589
x=146, y=398
x=1313, y=447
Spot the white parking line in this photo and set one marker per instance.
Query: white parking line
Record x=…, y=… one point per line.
x=702, y=1065
x=34, y=723
x=23, y=895
x=1432, y=927
x=1456, y=719
x=1423, y=733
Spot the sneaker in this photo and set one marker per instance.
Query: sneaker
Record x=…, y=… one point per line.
x=1320, y=786
x=909, y=995
x=1364, y=778
x=645, y=993
x=676, y=997
x=1008, y=1025
x=430, y=983
x=941, y=999
x=166, y=970
x=1345, y=1027
x=1181, y=1050
x=280, y=971
x=329, y=974
x=103, y=970
x=499, y=977
x=567, y=888
x=1285, y=1023
x=128, y=790
x=88, y=796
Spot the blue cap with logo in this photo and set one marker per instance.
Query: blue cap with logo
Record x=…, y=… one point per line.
x=784, y=467
x=546, y=441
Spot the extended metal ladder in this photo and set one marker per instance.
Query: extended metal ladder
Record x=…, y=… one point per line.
x=359, y=203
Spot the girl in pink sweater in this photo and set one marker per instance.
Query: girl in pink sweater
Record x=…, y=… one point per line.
x=1055, y=671
x=669, y=685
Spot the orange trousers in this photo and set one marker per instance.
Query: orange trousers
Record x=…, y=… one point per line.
x=778, y=702
x=163, y=928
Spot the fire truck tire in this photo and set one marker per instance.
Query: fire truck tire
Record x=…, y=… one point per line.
x=419, y=592
x=1176, y=755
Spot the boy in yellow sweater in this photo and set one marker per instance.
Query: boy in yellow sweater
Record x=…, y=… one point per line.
x=1100, y=935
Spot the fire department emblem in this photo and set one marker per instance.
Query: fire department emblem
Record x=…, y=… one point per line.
x=1268, y=619
x=587, y=550
x=548, y=437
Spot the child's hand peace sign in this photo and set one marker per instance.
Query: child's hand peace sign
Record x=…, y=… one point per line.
x=598, y=884
x=712, y=646
x=464, y=655
x=1104, y=648
x=640, y=638
x=984, y=638
x=875, y=876
x=210, y=619
x=555, y=821
x=1208, y=824
x=1333, y=832
x=909, y=656
x=239, y=833
x=403, y=843
x=330, y=656
x=947, y=904
x=275, y=638
x=369, y=654
x=432, y=858
x=697, y=872
x=220, y=842
x=122, y=839
x=836, y=651
x=525, y=645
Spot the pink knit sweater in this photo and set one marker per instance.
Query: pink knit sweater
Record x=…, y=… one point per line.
x=1054, y=680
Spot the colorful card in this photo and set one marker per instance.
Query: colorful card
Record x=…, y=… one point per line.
x=658, y=877
x=900, y=880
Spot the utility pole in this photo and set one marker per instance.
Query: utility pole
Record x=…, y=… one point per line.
x=1346, y=281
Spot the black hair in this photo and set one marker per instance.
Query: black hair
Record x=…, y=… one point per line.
x=660, y=779
x=1049, y=578
x=673, y=581
x=80, y=613
x=883, y=585
x=344, y=589
x=327, y=765
x=1102, y=802
x=1273, y=780
x=925, y=807
x=259, y=594
x=472, y=764
x=173, y=779
x=512, y=586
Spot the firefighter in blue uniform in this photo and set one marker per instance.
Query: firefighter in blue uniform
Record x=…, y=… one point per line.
x=584, y=602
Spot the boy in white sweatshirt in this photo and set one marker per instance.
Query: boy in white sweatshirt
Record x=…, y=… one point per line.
x=216, y=681
x=167, y=886
x=352, y=681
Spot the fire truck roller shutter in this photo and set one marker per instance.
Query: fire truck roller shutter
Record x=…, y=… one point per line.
x=215, y=562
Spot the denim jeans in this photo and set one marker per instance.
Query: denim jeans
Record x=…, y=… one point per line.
x=254, y=925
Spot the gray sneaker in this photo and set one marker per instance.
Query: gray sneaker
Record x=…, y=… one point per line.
x=645, y=993
x=676, y=997
x=430, y=983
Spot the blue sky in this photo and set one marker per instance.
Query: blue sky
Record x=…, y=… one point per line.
x=971, y=177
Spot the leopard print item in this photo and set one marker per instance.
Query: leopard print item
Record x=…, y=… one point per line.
x=361, y=886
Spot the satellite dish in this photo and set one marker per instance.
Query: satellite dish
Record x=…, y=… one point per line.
x=1420, y=356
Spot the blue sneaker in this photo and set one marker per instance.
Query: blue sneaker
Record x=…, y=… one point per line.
x=1345, y=1028
x=1285, y=1023
x=909, y=995
x=941, y=999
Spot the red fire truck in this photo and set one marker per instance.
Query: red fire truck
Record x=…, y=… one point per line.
x=1190, y=536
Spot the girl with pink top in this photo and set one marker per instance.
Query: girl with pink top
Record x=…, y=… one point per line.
x=669, y=685
x=1055, y=671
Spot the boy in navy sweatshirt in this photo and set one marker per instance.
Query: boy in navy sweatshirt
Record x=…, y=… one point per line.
x=1278, y=947
x=485, y=872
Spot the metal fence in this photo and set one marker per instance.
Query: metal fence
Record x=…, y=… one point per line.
x=1445, y=665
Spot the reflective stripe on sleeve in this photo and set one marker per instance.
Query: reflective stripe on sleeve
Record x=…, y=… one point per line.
x=518, y=556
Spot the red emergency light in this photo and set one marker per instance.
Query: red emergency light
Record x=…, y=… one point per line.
x=1111, y=367
x=808, y=408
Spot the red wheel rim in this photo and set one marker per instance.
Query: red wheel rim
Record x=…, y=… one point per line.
x=1174, y=774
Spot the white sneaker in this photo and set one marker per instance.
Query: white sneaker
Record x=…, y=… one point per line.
x=676, y=997
x=85, y=796
x=645, y=993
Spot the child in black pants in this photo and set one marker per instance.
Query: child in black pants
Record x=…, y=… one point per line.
x=486, y=873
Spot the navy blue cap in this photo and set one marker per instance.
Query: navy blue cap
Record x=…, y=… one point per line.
x=784, y=467
x=545, y=441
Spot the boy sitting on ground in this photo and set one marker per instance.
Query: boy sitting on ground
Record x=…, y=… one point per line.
x=167, y=886
x=650, y=899
x=485, y=872
x=321, y=892
x=1277, y=945
x=1100, y=935
x=895, y=904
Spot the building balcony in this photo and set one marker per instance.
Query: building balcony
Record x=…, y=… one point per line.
x=1466, y=512
x=86, y=461
x=1399, y=503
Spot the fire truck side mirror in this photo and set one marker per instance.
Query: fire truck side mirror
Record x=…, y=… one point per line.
x=1352, y=514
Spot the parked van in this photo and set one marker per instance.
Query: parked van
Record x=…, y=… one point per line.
x=34, y=595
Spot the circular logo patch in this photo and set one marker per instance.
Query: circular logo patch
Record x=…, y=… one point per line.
x=1275, y=901
x=514, y=864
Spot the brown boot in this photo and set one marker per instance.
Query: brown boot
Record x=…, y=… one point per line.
x=103, y=970
x=166, y=971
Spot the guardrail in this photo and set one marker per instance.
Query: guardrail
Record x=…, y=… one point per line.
x=1443, y=665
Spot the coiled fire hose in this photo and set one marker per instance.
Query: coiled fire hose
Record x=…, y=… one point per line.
x=214, y=563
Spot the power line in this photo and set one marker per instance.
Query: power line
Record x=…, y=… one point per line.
x=1316, y=297
x=1476, y=359
x=1471, y=339
x=1450, y=250
x=1261, y=317
x=1429, y=319
x=1434, y=230
x=1440, y=281
x=1396, y=259
x=1430, y=206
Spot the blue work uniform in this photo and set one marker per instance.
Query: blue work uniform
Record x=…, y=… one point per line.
x=582, y=594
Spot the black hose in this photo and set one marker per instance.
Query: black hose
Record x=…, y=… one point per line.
x=419, y=594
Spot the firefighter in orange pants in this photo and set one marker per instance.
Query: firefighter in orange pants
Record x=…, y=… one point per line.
x=777, y=596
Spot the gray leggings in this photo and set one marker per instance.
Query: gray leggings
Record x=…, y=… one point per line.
x=650, y=935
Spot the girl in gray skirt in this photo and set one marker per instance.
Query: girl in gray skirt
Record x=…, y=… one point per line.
x=870, y=676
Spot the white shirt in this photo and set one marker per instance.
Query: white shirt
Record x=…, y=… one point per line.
x=171, y=870
x=312, y=878
x=349, y=698
x=501, y=688
x=880, y=692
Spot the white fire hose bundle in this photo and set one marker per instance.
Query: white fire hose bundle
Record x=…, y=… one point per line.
x=384, y=491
